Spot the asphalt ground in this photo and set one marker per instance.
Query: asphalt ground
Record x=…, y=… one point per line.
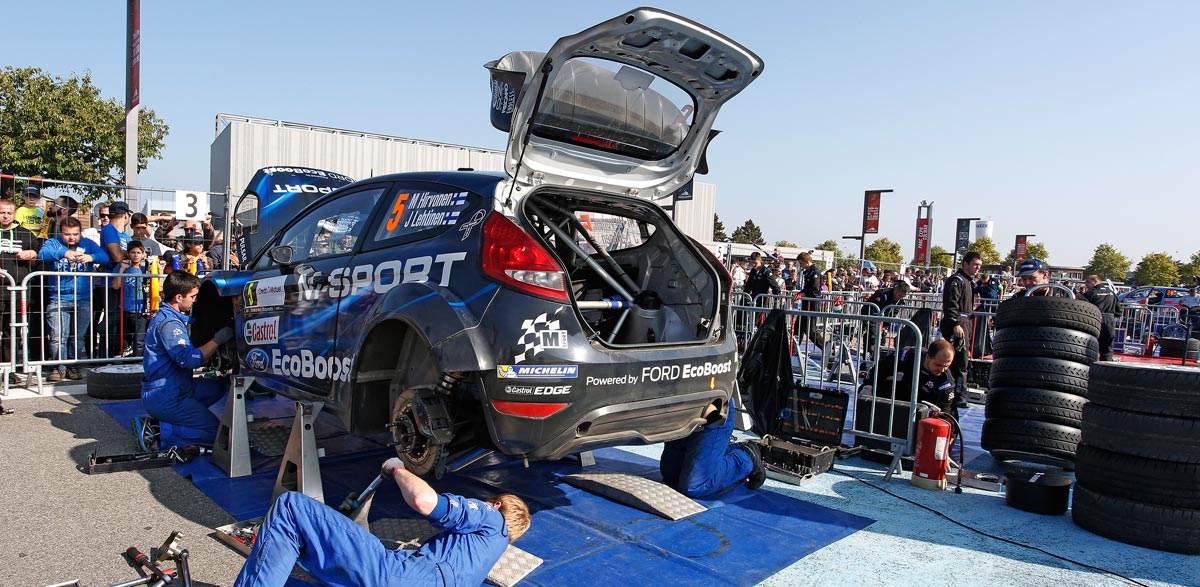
x=60, y=523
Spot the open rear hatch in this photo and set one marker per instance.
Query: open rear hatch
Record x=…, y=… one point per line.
x=607, y=122
x=623, y=107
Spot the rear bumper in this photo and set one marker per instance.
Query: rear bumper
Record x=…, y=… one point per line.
x=636, y=422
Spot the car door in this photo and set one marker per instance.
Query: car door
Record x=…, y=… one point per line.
x=290, y=312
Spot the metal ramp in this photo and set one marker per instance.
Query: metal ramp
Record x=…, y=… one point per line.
x=637, y=492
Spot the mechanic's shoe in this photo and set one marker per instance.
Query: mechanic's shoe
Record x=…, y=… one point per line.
x=74, y=374
x=6, y=411
x=55, y=376
x=15, y=379
x=758, y=475
x=145, y=432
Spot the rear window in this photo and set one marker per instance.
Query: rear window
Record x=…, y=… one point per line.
x=613, y=107
x=613, y=233
x=416, y=214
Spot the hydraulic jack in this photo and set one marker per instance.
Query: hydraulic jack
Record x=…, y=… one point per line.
x=148, y=566
x=144, y=460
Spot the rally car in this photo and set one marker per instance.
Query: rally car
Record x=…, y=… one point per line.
x=551, y=309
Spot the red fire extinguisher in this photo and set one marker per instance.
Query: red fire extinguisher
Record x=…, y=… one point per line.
x=932, y=454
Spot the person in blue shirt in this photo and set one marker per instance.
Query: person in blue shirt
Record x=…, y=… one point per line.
x=338, y=552
x=133, y=291
x=176, y=402
x=69, y=299
x=705, y=462
x=115, y=241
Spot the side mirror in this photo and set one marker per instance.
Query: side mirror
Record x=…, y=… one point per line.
x=281, y=254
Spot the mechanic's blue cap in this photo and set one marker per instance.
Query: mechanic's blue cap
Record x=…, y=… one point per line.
x=1031, y=266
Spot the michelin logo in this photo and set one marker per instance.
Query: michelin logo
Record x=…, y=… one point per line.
x=537, y=371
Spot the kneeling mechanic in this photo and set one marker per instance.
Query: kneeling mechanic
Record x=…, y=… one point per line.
x=176, y=401
x=706, y=463
x=338, y=552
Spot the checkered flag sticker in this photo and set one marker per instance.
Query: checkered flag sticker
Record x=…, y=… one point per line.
x=539, y=334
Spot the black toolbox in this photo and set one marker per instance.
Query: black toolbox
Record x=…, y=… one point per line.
x=810, y=433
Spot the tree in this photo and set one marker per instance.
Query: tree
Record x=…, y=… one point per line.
x=884, y=251
x=787, y=244
x=1032, y=251
x=986, y=249
x=719, y=230
x=831, y=246
x=1157, y=269
x=1192, y=267
x=749, y=233
x=63, y=129
x=1108, y=263
x=938, y=257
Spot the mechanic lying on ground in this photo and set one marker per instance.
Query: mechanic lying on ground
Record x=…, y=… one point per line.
x=177, y=403
x=705, y=462
x=338, y=552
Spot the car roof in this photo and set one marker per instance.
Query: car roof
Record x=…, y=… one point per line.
x=481, y=182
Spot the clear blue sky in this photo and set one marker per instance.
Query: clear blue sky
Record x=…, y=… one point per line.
x=1076, y=121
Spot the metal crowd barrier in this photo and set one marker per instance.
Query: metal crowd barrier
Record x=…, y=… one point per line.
x=1138, y=322
x=844, y=360
x=88, y=329
x=9, y=311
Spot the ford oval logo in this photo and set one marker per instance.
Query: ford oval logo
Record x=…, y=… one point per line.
x=257, y=360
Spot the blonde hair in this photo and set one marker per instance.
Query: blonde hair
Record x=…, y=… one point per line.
x=516, y=515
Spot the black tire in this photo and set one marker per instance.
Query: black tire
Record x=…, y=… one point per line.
x=1167, y=390
x=1078, y=315
x=1038, y=405
x=1174, y=347
x=1142, y=435
x=115, y=381
x=1140, y=479
x=1007, y=439
x=1045, y=341
x=1052, y=374
x=1140, y=524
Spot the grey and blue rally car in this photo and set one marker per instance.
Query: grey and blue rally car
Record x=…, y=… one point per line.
x=547, y=310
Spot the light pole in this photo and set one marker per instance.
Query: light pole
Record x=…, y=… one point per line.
x=870, y=225
x=1019, y=246
x=962, y=237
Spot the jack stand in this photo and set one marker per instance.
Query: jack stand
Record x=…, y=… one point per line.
x=231, y=451
x=301, y=468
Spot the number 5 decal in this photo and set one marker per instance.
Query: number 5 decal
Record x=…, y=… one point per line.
x=397, y=212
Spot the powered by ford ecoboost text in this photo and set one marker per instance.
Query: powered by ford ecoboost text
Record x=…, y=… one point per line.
x=547, y=310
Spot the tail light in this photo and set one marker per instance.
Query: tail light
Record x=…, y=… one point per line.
x=515, y=259
x=527, y=410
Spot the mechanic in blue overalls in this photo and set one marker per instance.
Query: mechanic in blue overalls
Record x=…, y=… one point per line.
x=706, y=463
x=177, y=403
x=338, y=552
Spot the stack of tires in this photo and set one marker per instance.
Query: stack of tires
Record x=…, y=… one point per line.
x=1042, y=351
x=1138, y=467
x=1175, y=343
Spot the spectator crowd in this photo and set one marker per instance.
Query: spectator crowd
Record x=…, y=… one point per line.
x=97, y=302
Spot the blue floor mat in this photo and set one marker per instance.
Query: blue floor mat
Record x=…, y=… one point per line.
x=744, y=537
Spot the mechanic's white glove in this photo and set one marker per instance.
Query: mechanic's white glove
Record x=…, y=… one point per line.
x=223, y=335
x=390, y=466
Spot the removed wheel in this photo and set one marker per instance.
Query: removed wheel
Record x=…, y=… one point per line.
x=1176, y=347
x=1167, y=390
x=1140, y=524
x=1078, y=315
x=1143, y=435
x=1140, y=479
x=1045, y=341
x=115, y=381
x=1039, y=405
x=1043, y=442
x=1039, y=373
